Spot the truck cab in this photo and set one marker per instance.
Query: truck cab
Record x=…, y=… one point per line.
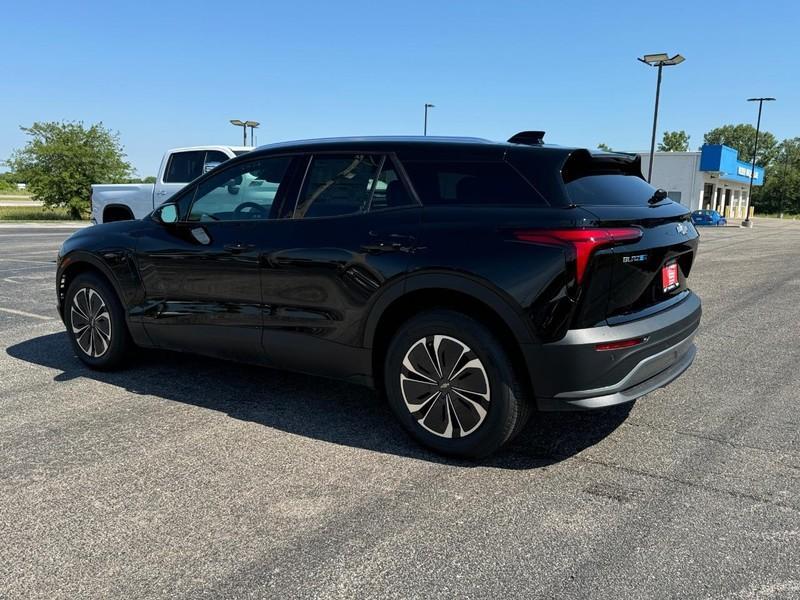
x=179, y=166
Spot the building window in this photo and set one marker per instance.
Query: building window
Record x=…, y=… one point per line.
x=708, y=193
x=674, y=196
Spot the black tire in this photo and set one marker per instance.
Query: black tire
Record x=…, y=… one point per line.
x=102, y=340
x=478, y=425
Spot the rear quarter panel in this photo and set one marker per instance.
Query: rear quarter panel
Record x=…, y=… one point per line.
x=477, y=242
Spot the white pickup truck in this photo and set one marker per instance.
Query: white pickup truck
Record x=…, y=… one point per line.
x=123, y=201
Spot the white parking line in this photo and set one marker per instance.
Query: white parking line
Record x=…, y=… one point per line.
x=25, y=260
x=22, y=313
x=28, y=268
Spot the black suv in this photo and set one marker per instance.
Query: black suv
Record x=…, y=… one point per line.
x=470, y=280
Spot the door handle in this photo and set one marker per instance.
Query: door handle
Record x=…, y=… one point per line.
x=238, y=247
x=162, y=192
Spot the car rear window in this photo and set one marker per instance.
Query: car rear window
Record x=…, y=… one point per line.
x=625, y=190
x=457, y=183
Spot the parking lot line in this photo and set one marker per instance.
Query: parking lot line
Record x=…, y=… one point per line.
x=22, y=313
x=28, y=268
x=25, y=260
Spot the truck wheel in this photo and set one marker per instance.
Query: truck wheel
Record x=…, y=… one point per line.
x=96, y=322
x=451, y=384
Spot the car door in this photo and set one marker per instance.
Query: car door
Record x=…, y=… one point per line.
x=353, y=229
x=201, y=274
x=181, y=168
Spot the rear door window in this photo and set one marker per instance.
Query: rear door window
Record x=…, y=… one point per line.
x=451, y=182
x=338, y=185
x=389, y=190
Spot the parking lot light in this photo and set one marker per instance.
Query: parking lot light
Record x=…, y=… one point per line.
x=425, y=127
x=244, y=125
x=659, y=60
x=747, y=222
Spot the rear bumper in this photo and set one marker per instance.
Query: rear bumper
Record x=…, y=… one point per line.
x=572, y=375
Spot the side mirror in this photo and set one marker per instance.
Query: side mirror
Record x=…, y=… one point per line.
x=166, y=213
x=209, y=166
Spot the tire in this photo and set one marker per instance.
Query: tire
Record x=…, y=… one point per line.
x=426, y=399
x=95, y=322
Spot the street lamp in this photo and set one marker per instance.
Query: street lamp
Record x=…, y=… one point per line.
x=425, y=127
x=747, y=222
x=658, y=60
x=252, y=125
x=244, y=125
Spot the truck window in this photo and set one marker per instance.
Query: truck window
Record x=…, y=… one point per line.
x=184, y=167
x=216, y=156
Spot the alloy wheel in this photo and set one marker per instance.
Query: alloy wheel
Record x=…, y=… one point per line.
x=445, y=386
x=90, y=322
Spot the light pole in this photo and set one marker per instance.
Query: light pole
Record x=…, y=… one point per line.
x=658, y=60
x=747, y=222
x=252, y=125
x=425, y=127
x=244, y=125
x=785, y=173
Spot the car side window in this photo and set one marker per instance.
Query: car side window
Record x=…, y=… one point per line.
x=338, y=185
x=470, y=182
x=184, y=167
x=241, y=192
x=390, y=191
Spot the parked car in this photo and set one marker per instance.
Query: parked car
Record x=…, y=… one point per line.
x=708, y=217
x=126, y=201
x=471, y=281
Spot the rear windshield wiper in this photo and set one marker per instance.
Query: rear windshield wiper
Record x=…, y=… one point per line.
x=658, y=196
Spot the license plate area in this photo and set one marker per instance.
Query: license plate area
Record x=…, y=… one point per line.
x=669, y=277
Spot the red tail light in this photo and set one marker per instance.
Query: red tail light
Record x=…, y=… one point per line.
x=620, y=344
x=583, y=241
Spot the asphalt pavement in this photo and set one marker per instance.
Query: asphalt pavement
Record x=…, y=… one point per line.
x=184, y=477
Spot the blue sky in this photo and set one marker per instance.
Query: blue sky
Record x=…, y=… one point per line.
x=168, y=74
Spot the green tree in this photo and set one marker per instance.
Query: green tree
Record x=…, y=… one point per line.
x=743, y=137
x=62, y=160
x=604, y=147
x=8, y=182
x=674, y=141
x=781, y=190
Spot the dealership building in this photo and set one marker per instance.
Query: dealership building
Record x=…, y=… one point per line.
x=712, y=178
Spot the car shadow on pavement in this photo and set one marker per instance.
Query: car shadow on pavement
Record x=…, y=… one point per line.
x=323, y=409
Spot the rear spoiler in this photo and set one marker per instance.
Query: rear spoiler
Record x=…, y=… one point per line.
x=583, y=163
x=529, y=138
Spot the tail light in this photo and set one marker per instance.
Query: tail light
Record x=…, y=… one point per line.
x=582, y=241
x=620, y=344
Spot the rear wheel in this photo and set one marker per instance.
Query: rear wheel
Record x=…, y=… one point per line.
x=452, y=385
x=96, y=322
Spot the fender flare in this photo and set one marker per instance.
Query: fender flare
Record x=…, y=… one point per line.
x=457, y=282
x=83, y=256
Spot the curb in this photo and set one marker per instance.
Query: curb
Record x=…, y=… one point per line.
x=45, y=225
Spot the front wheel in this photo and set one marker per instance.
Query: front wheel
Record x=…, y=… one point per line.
x=452, y=385
x=96, y=322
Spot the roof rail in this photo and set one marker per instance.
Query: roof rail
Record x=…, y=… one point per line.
x=530, y=138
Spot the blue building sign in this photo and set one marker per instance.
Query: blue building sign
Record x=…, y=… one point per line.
x=725, y=161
